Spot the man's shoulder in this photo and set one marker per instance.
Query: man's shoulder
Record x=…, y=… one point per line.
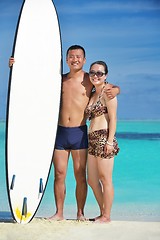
x=64, y=75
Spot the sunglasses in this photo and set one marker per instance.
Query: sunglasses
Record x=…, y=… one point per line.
x=98, y=73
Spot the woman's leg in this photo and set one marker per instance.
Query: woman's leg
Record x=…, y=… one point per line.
x=105, y=169
x=93, y=180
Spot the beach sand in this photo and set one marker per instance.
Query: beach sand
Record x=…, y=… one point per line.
x=42, y=229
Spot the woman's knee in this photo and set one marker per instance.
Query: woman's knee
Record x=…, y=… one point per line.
x=93, y=183
x=90, y=182
x=107, y=181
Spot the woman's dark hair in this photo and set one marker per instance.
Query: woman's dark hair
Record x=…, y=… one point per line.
x=101, y=63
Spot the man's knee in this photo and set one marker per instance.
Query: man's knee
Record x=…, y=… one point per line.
x=59, y=175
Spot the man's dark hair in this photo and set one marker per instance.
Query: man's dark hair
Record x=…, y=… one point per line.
x=74, y=47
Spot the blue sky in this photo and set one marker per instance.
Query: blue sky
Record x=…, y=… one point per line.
x=123, y=33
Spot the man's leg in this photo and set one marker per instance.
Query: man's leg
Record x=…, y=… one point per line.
x=79, y=161
x=60, y=161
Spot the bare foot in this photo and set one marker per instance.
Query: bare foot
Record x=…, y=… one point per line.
x=81, y=218
x=96, y=218
x=56, y=217
x=102, y=219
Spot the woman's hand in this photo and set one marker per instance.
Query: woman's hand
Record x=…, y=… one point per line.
x=108, y=149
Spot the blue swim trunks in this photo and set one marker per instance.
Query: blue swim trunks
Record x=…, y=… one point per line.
x=71, y=138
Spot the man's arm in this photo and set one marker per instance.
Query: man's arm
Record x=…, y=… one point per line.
x=112, y=90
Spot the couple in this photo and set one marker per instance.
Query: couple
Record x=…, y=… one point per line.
x=72, y=137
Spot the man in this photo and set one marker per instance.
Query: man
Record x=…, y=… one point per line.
x=72, y=130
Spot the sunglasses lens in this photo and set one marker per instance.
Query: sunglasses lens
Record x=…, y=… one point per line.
x=98, y=74
x=92, y=73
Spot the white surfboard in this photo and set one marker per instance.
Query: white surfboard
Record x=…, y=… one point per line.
x=33, y=106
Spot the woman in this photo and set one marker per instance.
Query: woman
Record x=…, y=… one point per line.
x=102, y=143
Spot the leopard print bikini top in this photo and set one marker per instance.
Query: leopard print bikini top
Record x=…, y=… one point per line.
x=96, y=109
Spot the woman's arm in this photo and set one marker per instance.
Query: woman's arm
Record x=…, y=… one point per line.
x=112, y=114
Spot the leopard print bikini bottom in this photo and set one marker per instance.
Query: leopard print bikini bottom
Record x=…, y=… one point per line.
x=97, y=140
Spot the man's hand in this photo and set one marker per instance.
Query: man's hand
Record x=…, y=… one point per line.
x=111, y=90
x=11, y=61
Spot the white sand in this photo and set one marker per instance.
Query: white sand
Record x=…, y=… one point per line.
x=40, y=229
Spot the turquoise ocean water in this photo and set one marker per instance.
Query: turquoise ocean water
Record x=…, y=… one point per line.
x=136, y=177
